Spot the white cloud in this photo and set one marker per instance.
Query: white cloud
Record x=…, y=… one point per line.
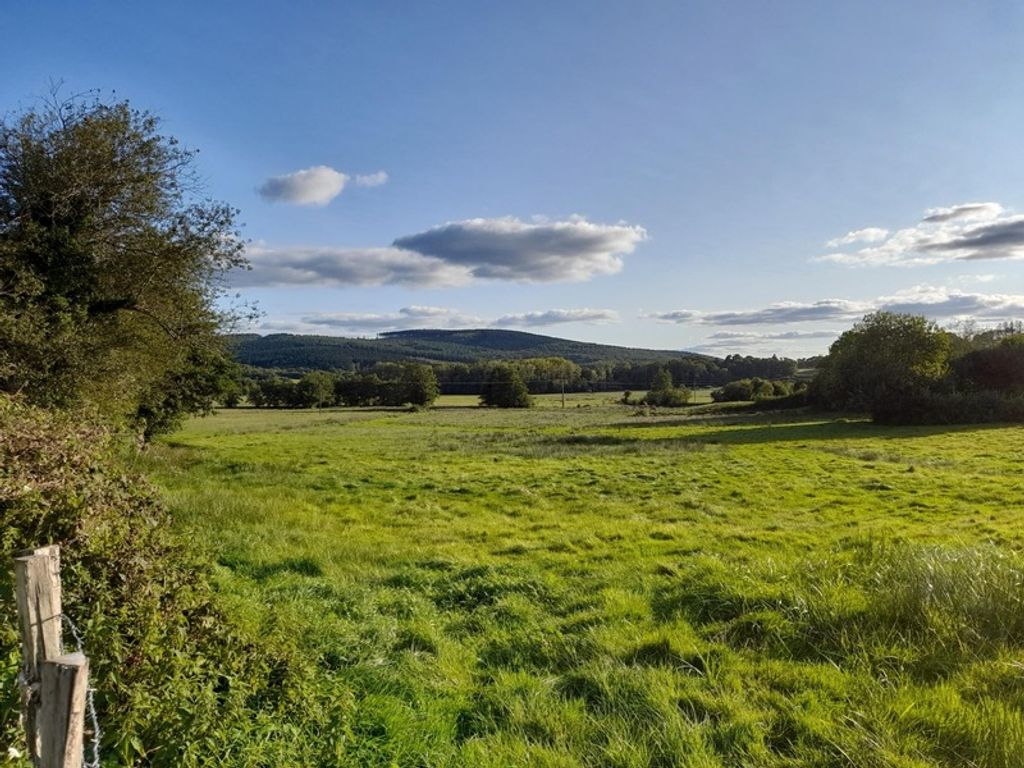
x=406, y=318
x=866, y=235
x=674, y=316
x=508, y=248
x=454, y=254
x=782, y=312
x=327, y=266
x=966, y=232
x=936, y=302
x=556, y=316
x=775, y=336
x=789, y=343
x=312, y=186
x=372, y=179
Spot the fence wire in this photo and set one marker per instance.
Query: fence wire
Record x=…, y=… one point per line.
x=90, y=703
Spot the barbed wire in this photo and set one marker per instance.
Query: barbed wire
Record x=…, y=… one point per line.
x=90, y=702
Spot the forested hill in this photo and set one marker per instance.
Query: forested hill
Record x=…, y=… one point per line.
x=295, y=351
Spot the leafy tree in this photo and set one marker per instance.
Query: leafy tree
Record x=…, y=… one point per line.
x=314, y=390
x=663, y=393
x=662, y=381
x=110, y=264
x=883, y=363
x=505, y=388
x=419, y=384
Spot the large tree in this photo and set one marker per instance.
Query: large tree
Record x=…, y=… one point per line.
x=883, y=363
x=418, y=385
x=111, y=263
x=505, y=388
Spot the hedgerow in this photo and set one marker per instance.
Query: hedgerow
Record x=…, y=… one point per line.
x=176, y=683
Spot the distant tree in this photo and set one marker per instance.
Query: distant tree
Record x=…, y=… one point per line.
x=664, y=394
x=505, y=388
x=419, y=384
x=662, y=381
x=315, y=390
x=883, y=363
x=274, y=393
x=111, y=265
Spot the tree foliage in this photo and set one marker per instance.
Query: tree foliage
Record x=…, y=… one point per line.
x=506, y=389
x=755, y=389
x=884, y=360
x=664, y=393
x=904, y=369
x=110, y=264
x=418, y=385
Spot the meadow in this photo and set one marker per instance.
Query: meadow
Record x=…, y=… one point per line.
x=599, y=586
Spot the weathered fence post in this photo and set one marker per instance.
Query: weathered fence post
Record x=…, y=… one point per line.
x=53, y=686
x=37, y=591
x=64, y=683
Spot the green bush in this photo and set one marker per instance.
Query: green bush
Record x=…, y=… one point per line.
x=176, y=683
x=663, y=393
x=743, y=390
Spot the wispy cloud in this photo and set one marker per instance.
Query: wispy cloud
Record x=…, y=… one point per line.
x=372, y=179
x=965, y=211
x=404, y=319
x=936, y=302
x=776, y=336
x=454, y=254
x=407, y=318
x=782, y=312
x=965, y=232
x=790, y=343
x=866, y=235
x=558, y=316
x=508, y=248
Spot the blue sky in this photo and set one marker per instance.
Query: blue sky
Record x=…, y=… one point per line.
x=724, y=176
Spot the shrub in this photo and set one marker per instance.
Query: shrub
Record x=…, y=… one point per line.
x=743, y=390
x=663, y=393
x=164, y=660
x=674, y=397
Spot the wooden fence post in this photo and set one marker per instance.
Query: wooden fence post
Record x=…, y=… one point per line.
x=37, y=591
x=64, y=683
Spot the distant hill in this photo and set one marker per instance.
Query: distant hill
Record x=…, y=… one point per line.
x=297, y=351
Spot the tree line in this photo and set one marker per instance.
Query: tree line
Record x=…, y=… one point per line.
x=388, y=383
x=905, y=369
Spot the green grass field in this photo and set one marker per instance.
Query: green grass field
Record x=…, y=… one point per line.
x=590, y=586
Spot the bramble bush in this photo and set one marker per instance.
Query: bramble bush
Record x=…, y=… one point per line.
x=176, y=683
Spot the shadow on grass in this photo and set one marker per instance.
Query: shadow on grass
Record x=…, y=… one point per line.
x=764, y=428
x=302, y=566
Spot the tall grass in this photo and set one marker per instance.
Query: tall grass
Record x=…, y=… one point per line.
x=589, y=587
